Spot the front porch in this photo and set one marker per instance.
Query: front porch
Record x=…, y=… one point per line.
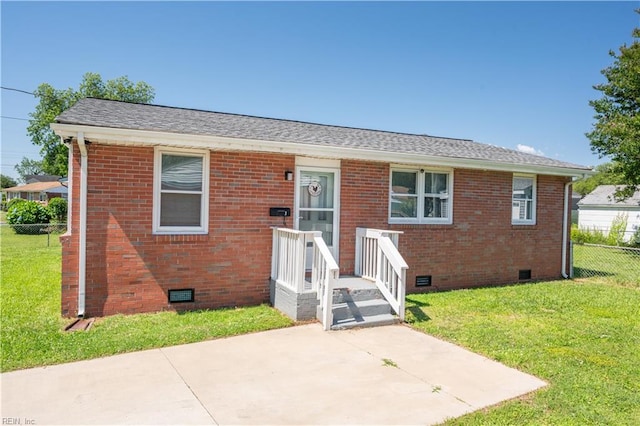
x=307, y=287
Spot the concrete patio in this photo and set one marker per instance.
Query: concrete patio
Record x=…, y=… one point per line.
x=297, y=375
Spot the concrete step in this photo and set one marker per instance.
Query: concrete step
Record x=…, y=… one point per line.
x=357, y=302
x=370, y=321
x=360, y=309
x=343, y=295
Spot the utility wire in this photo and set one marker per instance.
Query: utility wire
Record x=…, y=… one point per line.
x=17, y=90
x=14, y=118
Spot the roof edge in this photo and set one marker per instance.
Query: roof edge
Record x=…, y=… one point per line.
x=118, y=136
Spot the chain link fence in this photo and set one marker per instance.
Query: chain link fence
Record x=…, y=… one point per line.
x=594, y=260
x=46, y=234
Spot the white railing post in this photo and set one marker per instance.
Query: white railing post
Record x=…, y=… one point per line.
x=325, y=272
x=378, y=259
x=274, y=254
x=357, y=267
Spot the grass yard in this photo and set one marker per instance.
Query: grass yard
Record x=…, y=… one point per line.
x=31, y=327
x=618, y=264
x=582, y=337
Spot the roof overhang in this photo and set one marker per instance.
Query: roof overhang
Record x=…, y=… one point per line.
x=119, y=136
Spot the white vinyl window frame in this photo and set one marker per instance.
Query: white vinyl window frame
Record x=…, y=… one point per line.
x=420, y=196
x=159, y=229
x=523, y=207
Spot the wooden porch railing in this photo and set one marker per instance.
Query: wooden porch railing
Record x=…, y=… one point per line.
x=378, y=259
x=288, y=266
x=324, y=275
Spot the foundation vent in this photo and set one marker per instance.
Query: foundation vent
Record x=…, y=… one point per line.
x=524, y=274
x=181, y=295
x=423, y=281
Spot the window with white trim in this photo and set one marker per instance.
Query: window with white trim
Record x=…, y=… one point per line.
x=420, y=196
x=181, y=191
x=523, y=200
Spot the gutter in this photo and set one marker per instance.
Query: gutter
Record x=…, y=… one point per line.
x=82, y=249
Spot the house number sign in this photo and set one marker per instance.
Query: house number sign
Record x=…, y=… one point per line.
x=314, y=189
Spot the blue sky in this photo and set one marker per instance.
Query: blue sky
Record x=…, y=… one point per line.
x=512, y=74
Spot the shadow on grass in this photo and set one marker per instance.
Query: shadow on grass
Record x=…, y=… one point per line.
x=586, y=273
x=413, y=306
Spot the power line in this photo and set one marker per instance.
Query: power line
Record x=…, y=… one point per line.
x=17, y=90
x=14, y=118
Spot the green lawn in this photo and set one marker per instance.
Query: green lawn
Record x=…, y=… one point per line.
x=621, y=265
x=32, y=329
x=582, y=337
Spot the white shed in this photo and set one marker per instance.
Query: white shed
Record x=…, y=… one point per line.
x=598, y=210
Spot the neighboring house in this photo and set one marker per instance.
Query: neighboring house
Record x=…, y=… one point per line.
x=42, y=178
x=180, y=204
x=598, y=210
x=35, y=190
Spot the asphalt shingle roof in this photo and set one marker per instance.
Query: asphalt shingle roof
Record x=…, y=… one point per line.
x=604, y=195
x=122, y=115
x=34, y=187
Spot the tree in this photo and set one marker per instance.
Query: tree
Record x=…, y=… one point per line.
x=605, y=174
x=54, y=101
x=616, y=132
x=7, y=182
x=28, y=166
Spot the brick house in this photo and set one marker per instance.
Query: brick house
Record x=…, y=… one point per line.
x=175, y=205
x=40, y=188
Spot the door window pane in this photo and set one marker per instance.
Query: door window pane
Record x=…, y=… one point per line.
x=316, y=190
x=318, y=221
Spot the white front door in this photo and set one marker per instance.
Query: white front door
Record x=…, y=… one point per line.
x=317, y=204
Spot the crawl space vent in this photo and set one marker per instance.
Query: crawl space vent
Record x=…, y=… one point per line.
x=423, y=281
x=181, y=295
x=524, y=274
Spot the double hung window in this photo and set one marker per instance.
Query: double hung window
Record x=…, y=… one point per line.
x=523, y=201
x=181, y=187
x=420, y=196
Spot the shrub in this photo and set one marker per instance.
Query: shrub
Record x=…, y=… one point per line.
x=58, y=209
x=587, y=236
x=614, y=237
x=15, y=201
x=617, y=230
x=22, y=215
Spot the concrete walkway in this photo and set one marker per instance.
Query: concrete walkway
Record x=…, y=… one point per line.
x=297, y=375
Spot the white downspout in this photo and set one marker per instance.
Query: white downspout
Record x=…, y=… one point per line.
x=82, y=246
x=565, y=232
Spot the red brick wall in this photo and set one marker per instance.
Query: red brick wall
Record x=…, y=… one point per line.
x=481, y=247
x=130, y=270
